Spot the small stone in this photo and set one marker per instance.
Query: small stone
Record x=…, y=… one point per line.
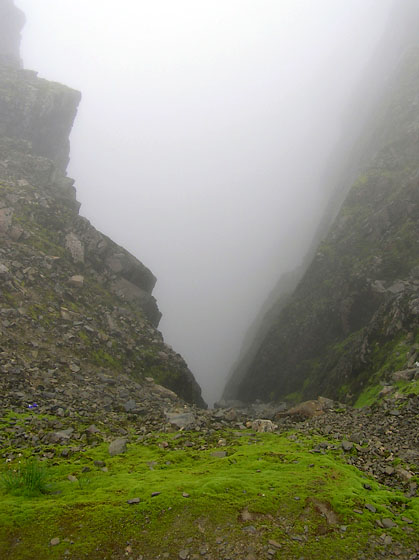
x=406, y=519
x=186, y=495
x=250, y=529
x=367, y=486
x=54, y=541
x=99, y=464
x=184, y=554
x=275, y=544
x=133, y=501
x=389, y=471
x=154, y=494
x=388, y=523
x=72, y=478
x=370, y=508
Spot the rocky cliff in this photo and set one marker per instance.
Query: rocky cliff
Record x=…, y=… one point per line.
x=352, y=317
x=75, y=308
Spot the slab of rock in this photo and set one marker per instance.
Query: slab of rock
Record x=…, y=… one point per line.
x=388, y=523
x=130, y=405
x=308, y=409
x=219, y=454
x=77, y=281
x=182, y=419
x=117, y=446
x=133, y=501
x=347, y=445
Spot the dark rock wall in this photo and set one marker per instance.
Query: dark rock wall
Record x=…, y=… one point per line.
x=38, y=111
x=11, y=22
x=359, y=294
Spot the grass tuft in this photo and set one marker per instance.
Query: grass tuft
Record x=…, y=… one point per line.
x=28, y=479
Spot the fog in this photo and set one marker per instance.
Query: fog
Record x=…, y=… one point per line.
x=203, y=133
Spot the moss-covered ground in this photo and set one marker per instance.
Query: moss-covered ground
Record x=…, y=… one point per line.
x=371, y=394
x=267, y=487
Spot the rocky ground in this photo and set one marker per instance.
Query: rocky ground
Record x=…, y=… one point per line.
x=83, y=410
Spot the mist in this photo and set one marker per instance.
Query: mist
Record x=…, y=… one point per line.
x=201, y=141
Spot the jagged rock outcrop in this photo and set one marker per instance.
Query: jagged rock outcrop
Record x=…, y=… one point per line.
x=12, y=21
x=354, y=316
x=38, y=111
x=73, y=304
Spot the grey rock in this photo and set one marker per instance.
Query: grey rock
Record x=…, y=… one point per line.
x=181, y=420
x=219, y=454
x=347, y=445
x=75, y=246
x=129, y=405
x=133, y=501
x=117, y=446
x=388, y=523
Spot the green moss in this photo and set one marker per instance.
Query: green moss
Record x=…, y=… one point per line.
x=102, y=358
x=293, y=398
x=368, y=397
x=273, y=478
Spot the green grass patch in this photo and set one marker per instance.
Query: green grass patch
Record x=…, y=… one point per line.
x=368, y=396
x=28, y=479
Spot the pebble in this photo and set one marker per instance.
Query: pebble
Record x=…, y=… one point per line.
x=133, y=501
x=388, y=523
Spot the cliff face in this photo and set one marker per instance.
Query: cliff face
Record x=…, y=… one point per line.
x=71, y=300
x=11, y=22
x=353, y=317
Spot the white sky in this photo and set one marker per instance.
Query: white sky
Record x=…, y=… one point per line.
x=203, y=132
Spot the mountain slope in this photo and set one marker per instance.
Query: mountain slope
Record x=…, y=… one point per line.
x=72, y=302
x=353, y=317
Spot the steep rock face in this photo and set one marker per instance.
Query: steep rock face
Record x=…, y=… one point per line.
x=11, y=23
x=38, y=111
x=354, y=316
x=71, y=300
